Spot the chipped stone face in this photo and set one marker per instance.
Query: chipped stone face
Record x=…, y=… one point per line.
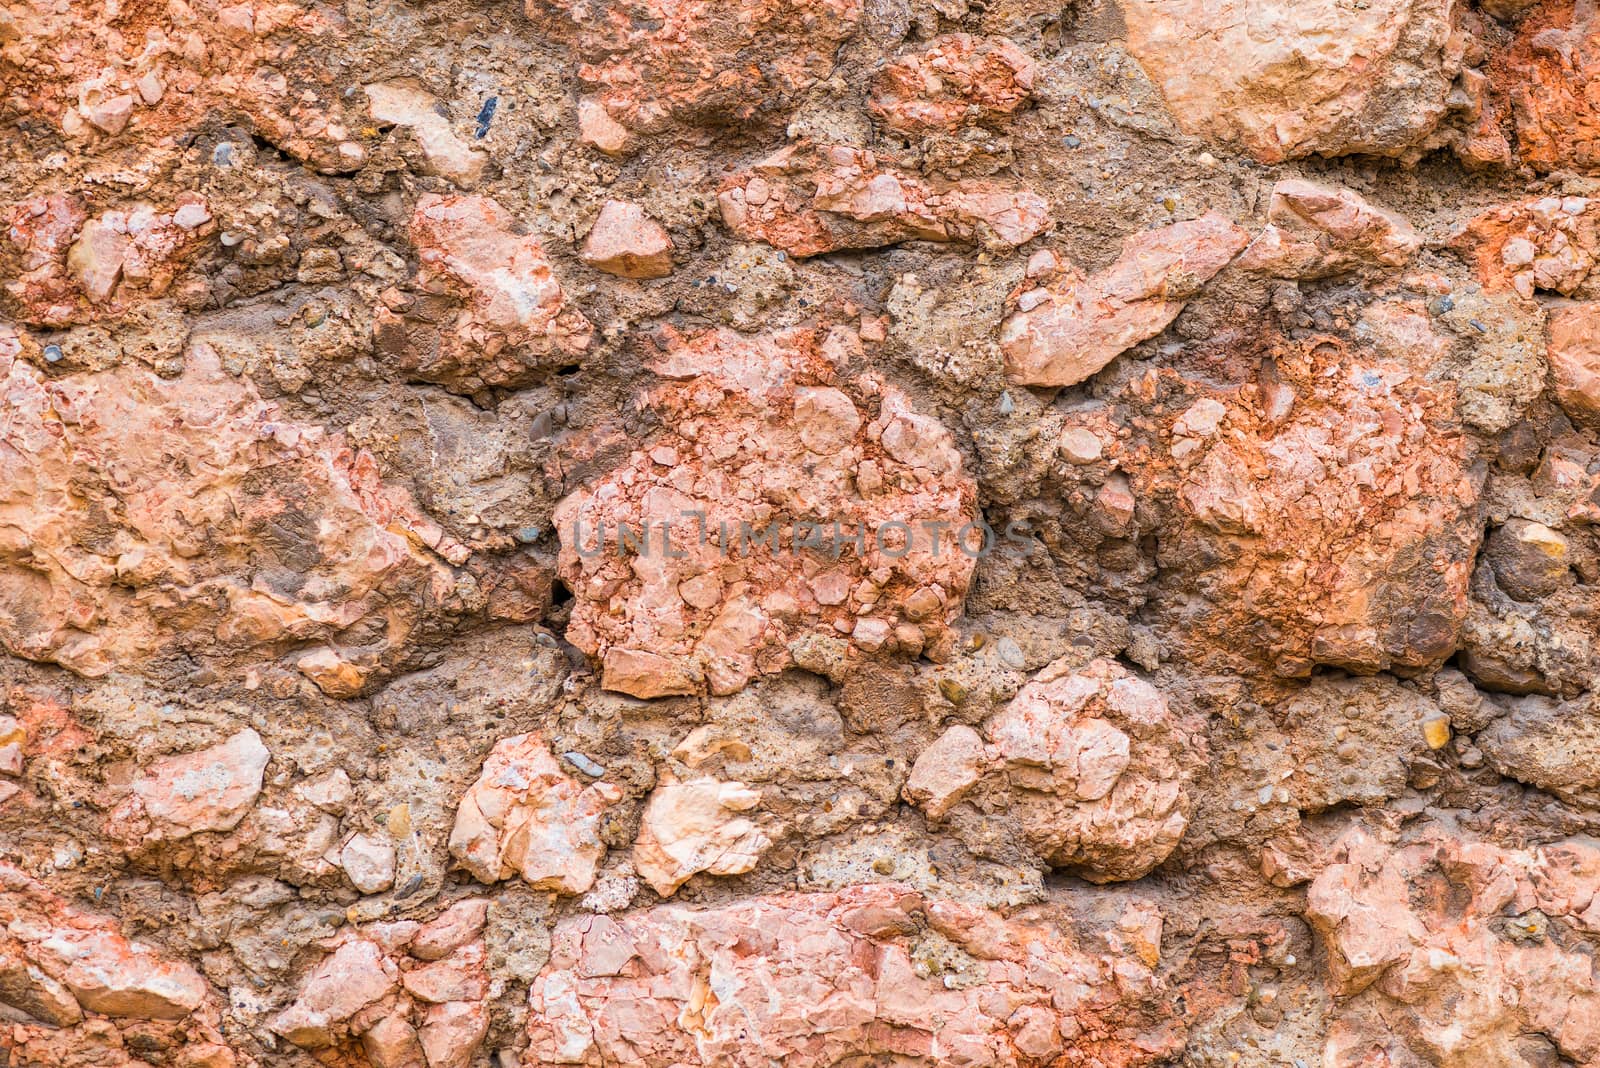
x=765, y=438
x=404, y=995
x=957, y=79
x=1549, y=74
x=1288, y=78
x=1064, y=327
x=697, y=826
x=525, y=816
x=1549, y=244
x=799, y=532
x=207, y=790
x=1445, y=953
x=811, y=200
x=515, y=318
x=336, y=547
x=1090, y=768
x=627, y=243
x=1314, y=231
x=650, y=64
x=820, y=977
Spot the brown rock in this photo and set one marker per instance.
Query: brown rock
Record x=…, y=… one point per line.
x=1064, y=327
x=1549, y=73
x=647, y=65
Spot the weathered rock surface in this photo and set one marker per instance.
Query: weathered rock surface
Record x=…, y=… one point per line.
x=525, y=816
x=1288, y=78
x=338, y=556
x=401, y=994
x=811, y=200
x=515, y=320
x=820, y=977
x=957, y=79
x=1445, y=950
x=1090, y=767
x=697, y=560
x=1314, y=231
x=799, y=531
x=1065, y=327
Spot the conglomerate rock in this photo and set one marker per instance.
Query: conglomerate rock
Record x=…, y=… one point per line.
x=923, y=532
x=783, y=496
x=873, y=971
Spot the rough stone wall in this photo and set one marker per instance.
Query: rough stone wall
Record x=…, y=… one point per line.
x=809, y=532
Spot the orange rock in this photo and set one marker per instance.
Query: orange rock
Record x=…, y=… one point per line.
x=1089, y=767
x=811, y=200
x=822, y=978
x=956, y=79
x=1316, y=230
x=697, y=826
x=626, y=242
x=516, y=321
x=1550, y=244
x=649, y=64
x=1550, y=73
x=1444, y=950
x=1574, y=355
x=271, y=496
x=1289, y=78
x=697, y=559
x=1065, y=327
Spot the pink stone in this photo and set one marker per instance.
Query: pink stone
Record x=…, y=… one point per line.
x=525, y=816
x=956, y=78
x=697, y=826
x=754, y=423
x=1574, y=355
x=626, y=242
x=825, y=978
x=516, y=318
x=808, y=200
x=353, y=977
x=1317, y=230
x=946, y=770
x=451, y=929
x=206, y=790
x=1067, y=327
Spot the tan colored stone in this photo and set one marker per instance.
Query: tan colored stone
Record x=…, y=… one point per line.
x=1288, y=78
x=946, y=770
x=446, y=153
